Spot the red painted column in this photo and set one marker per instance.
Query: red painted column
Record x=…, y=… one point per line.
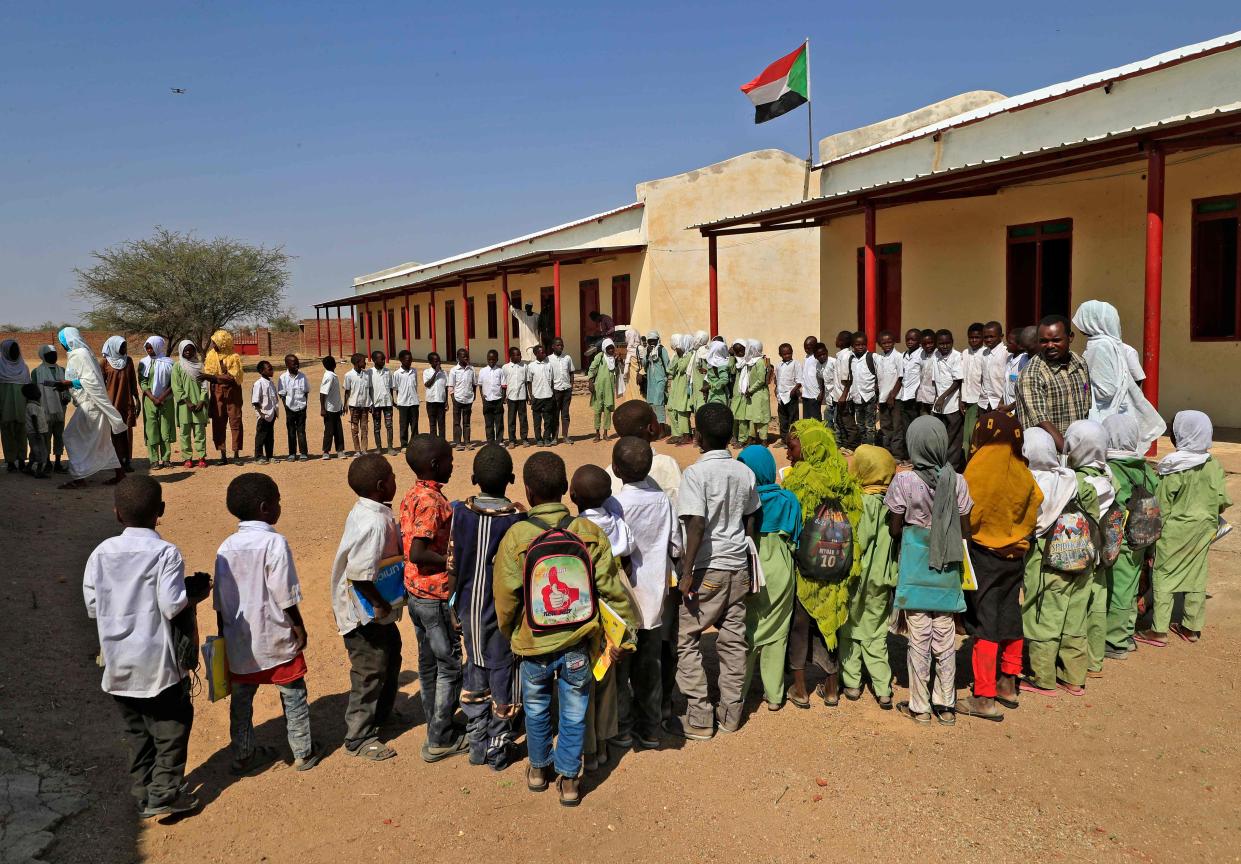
x=1152, y=312
x=713, y=287
x=556, y=294
x=870, y=313
x=318, y=334
x=340, y=331
x=368, y=331
x=431, y=320
x=353, y=327
x=507, y=316
x=465, y=315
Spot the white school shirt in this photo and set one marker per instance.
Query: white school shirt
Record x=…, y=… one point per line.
x=491, y=382
x=788, y=376
x=358, y=387
x=435, y=385
x=293, y=388
x=865, y=384
x=945, y=372
x=541, y=375
x=1012, y=371
x=255, y=582
x=381, y=387
x=562, y=371
x=461, y=381
x=911, y=374
x=133, y=586
x=405, y=383
x=994, y=373
x=515, y=377
x=926, y=385
x=371, y=536
x=656, y=541
x=972, y=369
x=665, y=473
x=263, y=395
x=840, y=373
x=811, y=383
x=330, y=389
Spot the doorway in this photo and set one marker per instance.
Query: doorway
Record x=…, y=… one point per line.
x=390, y=333
x=547, y=317
x=450, y=332
x=887, y=289
x=588, y=301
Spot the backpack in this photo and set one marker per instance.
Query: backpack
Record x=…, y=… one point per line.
x=825, y=548
x=1144, y=522
x=558, y=580
x=1070, y=546
x=1112, y=531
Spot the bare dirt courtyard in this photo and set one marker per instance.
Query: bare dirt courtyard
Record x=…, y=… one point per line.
x=1146, y=767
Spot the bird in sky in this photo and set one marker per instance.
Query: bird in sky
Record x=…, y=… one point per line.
x=177, y=89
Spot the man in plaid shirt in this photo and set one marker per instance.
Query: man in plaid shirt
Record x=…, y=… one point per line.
x=1054, y=388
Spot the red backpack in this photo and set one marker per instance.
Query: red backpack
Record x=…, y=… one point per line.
x=558, y=580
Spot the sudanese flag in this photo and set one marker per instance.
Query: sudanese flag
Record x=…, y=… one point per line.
x=780, y=88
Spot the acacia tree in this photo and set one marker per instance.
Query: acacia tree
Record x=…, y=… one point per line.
x=179, y=286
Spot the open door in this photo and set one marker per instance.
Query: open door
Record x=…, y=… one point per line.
x=887, y=289
x=588, y=293
x=450, y=333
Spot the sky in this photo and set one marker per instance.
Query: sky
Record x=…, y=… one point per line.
x=363, y=135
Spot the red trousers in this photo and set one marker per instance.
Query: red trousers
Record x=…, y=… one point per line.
x=984, y=658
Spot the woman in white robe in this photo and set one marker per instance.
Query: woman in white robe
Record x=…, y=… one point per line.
x=88, y=434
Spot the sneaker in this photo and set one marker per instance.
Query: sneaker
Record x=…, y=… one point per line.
x=188, y=463
x=183, y=803
x=478, y=755
x=640, y=743
x=729, y=728
x=621, y=742
x=435, y=754
x=325, y=457
x=681, y=727
x=202, y=463
x=305, y=763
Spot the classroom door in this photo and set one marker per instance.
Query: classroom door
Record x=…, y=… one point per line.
x=887, y=289
x=390, y=333
x=547, y=317
x=588, y=301
x=450, y=332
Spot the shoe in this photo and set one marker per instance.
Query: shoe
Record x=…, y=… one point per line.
x=684, y=729
x=325, y=457
x=853, y=694
x=435, y=754
x=305, y=763
x=536, y=779
x=640, y=743
x=478, y=755
x=590, y=763
x=188, y=463
x=570, y=792
x=729, y=728
x=946, y=716
x=1117, y=653
x=202, y=463
x=259, y=758
x=621, y=742
x=183, y=803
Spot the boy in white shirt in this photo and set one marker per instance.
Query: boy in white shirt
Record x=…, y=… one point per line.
x=926, y=387
x=266, y=408
x=888, y=365
x=516, y=394
x=834, y=387
x=491, y=388
x=907, y=396
x=462, y=381
x=256, y=597
x=859, y=397
x=54, y=401
x=543, y=398
x=788, y=377
x=562, y=384
x=292, y=390
x=973, y=363
x=637, y=418
x=405, y=388
x=381, y=399
x=435, y=393
x=331, y=406
x=358, y=396
x=946, y=374
x=994, y=369
x=134, y=587
x=810, y=381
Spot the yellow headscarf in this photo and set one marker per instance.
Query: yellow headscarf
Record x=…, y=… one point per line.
x=221, y=359
x=1006, y=497
x=874, y=468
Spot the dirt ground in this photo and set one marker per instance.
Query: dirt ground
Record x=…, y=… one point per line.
x=1144, y=768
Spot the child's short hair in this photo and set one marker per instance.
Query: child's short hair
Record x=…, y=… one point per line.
x=631, y=458
x=714, y=423
x=263, y=364
x=376, y=355
x=434, y=354
x=329, y=363
x=544, y=475
x=367, y=472
x=495, y=352
x=857, y=334
x=997, y=325
x=288, y=357
x=424, y=449
x=404, y=352
x=248, y=492
x=784, y=345
x=137, y=499
x=887, y=333
x=591, y=487
x=493, y=468
x=939, y=334
x=31, y=391
x=976, y=327
x=927, y=331
x=357, y=357
x=633, y=417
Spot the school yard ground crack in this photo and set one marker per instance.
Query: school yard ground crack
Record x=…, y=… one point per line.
x=34, y=798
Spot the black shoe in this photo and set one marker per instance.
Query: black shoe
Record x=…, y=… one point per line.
x=183, y=803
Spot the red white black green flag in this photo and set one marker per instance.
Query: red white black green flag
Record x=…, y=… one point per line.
x=780, y=88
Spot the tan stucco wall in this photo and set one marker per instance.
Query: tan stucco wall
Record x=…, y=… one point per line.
x=954, y=253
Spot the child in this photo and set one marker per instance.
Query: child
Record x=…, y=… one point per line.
x=835, y=390
x=678, y=388
x=769, y=611
x=926, y=507
x=859, y=395
x=158, y=410
x=373, y=643
x=256, y=597
x=562, y=654
x=1192, y=497
x=292, y=391
x=973, y=362
x=331, y=406
x=435, y=391
x=888, y=386
x=715, y=381
x=358, y=396
x=994, y=365
x=1086, y=444
x=717, y=503
x=562, y=384
x=543, y=396
x=121, y=381
x=516, y=395
x=1131, y=474
x=638, y=419
x=134, y=585
x=426, y=519
x=191, y=398
x=739, y=358
x=926, y=384
x=37, y=434
x=947, y=377
x=602, y=377
x=656, y=543
x=46, y=374
x=490, y=695
x=810, y=381
x=381, y=399
x=788, y=378
x=462, y=381
x=864, y=635
x=907, y=397
x=757, y=394
x=405, y=389
x=267, y=407
x=224, y=371
x=491, y=388
x=13, y=377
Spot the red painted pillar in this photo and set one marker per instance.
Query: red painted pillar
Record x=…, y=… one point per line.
x=1152, y=312
x=507, y=315
x=353, y=328
x=713, y=287
x=368, y=329
x=465, y=314
x=431, y=320
x=318, y=334
x=340, y=331
x=556, y=294
x=870, y=313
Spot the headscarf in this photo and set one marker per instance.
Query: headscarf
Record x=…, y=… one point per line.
x=700, y=339
x=927, y=440
x=1192, y=431
x=221, y=360
x=652, y=337
x=609, y=359
x=1112, y=388
x=44, y=350
x=71, y=339
x=874, y=468
x=112, y=352
x=1006, y=498
x=717, y=355
x=192, y=368
x=675, y=341
x=744, y=365
x=1057, y=483
x=1122, y=436
x=161, y=376
x=781, y=511
x=1085, y=442
x=12, y=369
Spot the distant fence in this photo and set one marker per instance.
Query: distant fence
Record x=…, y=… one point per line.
x=250, y=343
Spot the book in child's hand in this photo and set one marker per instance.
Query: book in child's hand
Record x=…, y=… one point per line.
x=614, y=630
x=389, y=582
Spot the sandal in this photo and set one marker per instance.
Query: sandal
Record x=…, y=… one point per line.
x=1028, y=686
x=533, y=786
x=966, y=707
x=802, y=702
x=375, y=751
x=853, y=694
x=1071, y=689
x=259, y=758
x=1185, y=633
x=1149, y=638
x=903, y=709
x=1010, y=704
x=565, y=800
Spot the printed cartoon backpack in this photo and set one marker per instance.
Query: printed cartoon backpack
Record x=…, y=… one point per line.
x=1144, y=524
x=558, y=580
x=1070, y=547
x=825, y=549
x=1112, y=529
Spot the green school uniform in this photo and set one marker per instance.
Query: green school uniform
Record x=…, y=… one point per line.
x=679, y=396
x=864, y=635
x=769, y=617
x=757, y=409
x=603, y=400
x=1128, y=472
x=717, y=385
x=1190, y=502
x=158, y=421
x=697, y=371
x=1096, y=604
x=191, y=424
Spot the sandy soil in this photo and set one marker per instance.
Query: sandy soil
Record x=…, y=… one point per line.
x=1143, y=768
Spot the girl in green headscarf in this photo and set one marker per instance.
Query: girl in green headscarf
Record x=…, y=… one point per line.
x=820, y=473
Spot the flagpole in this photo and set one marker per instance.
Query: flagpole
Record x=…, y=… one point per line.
x=809, y=126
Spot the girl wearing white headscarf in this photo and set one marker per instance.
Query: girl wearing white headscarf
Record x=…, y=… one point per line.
x=1054, y=604
x=158, y=408
x=191, y=398
x=13, y=376
x=120, y=378
x=1113, y=383
x=700, y=346
x=757, y=394
x=95, y=424
x=1085, y=443
x=602, y=377
x=658, y=363
x=47, y=375
x=715, y=379
x=679, y=389
x=1192, y=499
x=1130, y=472
x=740, y=368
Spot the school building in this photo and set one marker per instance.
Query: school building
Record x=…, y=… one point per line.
x=1123, y=185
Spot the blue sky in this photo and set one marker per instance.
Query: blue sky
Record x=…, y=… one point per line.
x=363, y=135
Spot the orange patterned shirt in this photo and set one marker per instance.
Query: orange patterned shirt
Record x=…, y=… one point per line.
x=426, y=513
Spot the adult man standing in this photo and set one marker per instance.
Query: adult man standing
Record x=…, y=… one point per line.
x=1054, y=388
x=527, y=329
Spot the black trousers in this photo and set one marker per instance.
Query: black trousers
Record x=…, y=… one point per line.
x=787, y=414
x=435, y=418
x=295, y=425
x=374, y=664
x=811, y=409
x=407, y=420
x=640, y=686
x=517, y=413
x=545, y=419
x=806, y=643
x=158, y=731
x=493, y=419
x=461, y=421
x=333, y=432
x=264, y=438
x=562, y=399
x=955, y=423
x=909, y=412
x=889, y=419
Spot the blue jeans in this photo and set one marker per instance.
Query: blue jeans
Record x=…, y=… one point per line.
x=570, y=669
x=439, y=667
x=296, y=718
